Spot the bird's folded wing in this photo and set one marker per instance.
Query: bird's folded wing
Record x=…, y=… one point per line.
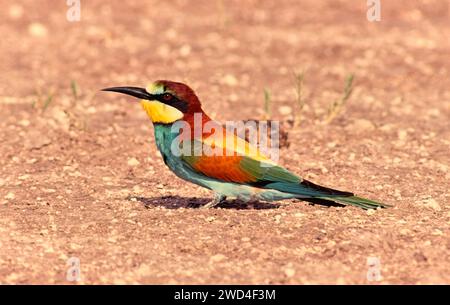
x=233, y=159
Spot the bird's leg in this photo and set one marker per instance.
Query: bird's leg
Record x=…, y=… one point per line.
x=218, y=198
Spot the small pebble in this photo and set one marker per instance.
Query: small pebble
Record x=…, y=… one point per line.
x=10, y=196
x=37, y=29
x=289, y=272
x=217, y=258
x=133, y=162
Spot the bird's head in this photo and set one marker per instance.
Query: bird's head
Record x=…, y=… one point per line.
x=164, y=101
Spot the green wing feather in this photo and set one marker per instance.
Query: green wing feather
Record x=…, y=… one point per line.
x=267, y=172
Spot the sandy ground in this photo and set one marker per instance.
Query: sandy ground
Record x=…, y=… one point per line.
x=80, y=175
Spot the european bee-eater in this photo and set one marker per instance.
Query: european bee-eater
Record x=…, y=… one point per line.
x=225, y=163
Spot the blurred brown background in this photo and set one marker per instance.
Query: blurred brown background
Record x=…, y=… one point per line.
x=80, y=175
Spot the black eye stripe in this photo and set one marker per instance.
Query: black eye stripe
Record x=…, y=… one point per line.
x=173, y=101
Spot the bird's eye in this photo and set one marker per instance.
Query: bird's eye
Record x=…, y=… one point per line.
x=167, y=97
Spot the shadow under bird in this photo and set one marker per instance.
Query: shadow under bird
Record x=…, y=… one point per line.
x=241, y=171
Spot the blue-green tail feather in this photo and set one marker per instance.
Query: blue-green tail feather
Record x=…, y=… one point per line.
x=308, y=191
x=357, y=202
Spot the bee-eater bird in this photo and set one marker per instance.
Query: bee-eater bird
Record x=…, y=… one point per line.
x=235, y=169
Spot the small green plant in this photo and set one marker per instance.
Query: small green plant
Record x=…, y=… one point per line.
x=267, y=104
x=43, y=101
x=224, y=19
x=299, y=78
x=78, y=117
x=48, y=100
x=337, y=106
x=74, y=89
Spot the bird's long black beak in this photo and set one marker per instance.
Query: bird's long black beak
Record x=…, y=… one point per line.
x=140, y=93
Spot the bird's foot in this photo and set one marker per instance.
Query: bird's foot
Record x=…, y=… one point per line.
x=217, y=199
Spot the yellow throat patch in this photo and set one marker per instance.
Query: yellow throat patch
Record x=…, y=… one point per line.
x=161, y=113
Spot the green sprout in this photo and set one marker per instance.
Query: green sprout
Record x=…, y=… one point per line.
x=48, y=100
x=267, y=104
x=74, y=88
x=224, y=19
x=299, y=78
x=337, y=106
x=43, y=103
